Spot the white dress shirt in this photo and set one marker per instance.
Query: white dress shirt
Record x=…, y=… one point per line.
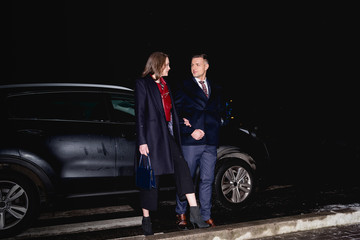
x=205, y=82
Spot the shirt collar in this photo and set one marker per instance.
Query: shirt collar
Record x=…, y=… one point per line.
x=198, y=80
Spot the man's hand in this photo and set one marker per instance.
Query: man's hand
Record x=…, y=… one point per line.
x=198, y=134
x=144, y=149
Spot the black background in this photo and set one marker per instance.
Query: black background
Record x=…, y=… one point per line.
x=290, y=68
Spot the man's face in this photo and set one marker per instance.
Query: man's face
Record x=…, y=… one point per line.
x=199, y=67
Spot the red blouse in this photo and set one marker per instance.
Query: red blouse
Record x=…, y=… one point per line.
x=166, y=100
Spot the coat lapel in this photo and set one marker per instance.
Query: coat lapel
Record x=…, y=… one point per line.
x=155, y=93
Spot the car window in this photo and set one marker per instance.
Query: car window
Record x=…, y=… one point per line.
x=60, y=105
x=123, y=108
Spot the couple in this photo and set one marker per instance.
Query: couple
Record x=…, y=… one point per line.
x=178, y=140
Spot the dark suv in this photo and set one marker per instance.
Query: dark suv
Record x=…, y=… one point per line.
x=72, y=140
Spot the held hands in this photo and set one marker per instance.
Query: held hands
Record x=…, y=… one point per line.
x=144, y=149
x=197, y=135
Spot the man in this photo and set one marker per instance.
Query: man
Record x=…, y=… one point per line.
x=199, y=105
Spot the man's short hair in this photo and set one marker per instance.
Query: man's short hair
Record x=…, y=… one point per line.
x=203, y=56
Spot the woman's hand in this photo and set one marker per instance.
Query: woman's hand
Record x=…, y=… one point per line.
x=144, y=149
x=186, y=122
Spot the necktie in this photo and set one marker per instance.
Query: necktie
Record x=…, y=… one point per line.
x=204, y=88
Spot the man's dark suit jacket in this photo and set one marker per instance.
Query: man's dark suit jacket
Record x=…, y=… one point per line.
x=202, y=112
x=151, y=125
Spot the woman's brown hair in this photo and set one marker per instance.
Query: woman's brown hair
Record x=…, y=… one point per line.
x=155, y=64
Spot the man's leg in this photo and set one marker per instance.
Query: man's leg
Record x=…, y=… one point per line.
x=192, y=155
x=207, y=168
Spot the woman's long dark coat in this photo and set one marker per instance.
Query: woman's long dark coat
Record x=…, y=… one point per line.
x=152, y=127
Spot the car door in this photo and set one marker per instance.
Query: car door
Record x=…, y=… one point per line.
x=68, y=130
x=122, y=123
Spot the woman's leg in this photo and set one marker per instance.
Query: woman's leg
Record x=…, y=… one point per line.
x=191, y=198
x=148, y=202
x=183, y=179
x=146, y=213
x=146, y=224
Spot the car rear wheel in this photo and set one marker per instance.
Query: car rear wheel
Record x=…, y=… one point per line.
x=19, y=204
x=234, y=183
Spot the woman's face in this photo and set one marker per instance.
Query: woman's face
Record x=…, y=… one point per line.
x=166, y=68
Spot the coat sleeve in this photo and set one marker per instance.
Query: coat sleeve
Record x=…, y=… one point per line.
x=140, y=105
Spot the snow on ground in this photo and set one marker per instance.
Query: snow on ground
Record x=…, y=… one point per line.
x=339, y=207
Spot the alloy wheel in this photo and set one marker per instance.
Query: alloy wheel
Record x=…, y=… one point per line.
x=236, y=184
x=14, y=204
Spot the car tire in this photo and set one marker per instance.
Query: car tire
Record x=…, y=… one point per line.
x=19, y=204
x=234, y=184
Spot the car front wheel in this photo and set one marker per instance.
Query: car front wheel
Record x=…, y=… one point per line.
x=234, y=183
x=19, y=204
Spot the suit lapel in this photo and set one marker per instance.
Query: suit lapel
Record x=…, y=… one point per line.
x=198, y=89
x=209, y=87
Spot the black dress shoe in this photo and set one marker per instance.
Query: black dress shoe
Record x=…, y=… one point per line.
x=181, y=222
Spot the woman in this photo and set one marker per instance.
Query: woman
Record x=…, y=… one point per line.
x=158, y=135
